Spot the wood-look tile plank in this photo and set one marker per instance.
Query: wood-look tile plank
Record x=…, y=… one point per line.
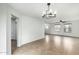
x=51, y=45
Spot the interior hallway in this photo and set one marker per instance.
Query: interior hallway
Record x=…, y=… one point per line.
x=51, y=45
x=13, y=45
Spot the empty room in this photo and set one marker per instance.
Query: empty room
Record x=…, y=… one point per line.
x=39, y=28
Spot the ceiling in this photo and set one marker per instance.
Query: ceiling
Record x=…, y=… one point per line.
x=65, y=11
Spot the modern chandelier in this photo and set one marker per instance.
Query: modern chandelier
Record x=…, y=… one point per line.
x=49, y=13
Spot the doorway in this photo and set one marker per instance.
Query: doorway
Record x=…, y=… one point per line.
x=13, y=33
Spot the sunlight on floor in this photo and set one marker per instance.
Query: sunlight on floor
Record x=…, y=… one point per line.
x=68, y=43
x=51, y=45
x=57, y=41
x=47, y=38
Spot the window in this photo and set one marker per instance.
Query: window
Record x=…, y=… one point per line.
x=67, y=28
x=46, y=26
x=57, y=27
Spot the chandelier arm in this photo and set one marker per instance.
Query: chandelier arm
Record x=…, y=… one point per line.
x=48, y=13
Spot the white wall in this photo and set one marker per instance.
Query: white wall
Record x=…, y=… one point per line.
x=32, y=29
x=74, y=33
x=28, y=28
x=11, y=11
x=3, y=17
